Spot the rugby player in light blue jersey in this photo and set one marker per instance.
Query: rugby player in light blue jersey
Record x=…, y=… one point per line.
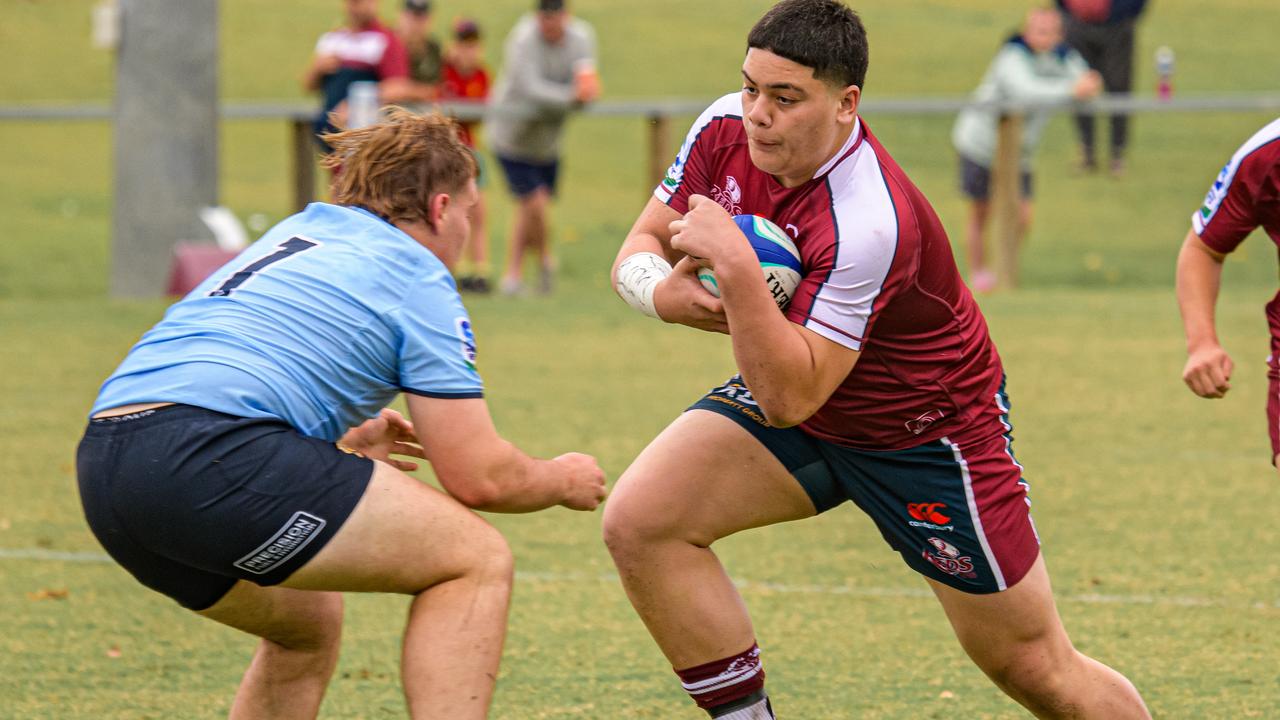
x=239, y=459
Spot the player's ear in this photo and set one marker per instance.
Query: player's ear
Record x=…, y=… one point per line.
x=849, y=97
x=439, y=205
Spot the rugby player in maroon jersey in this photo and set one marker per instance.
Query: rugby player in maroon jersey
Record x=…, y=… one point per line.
x=878, y=384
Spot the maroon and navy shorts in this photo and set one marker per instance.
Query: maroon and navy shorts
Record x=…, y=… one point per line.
x=956, y=509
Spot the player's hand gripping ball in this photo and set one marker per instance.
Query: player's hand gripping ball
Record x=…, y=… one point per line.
x=779, y=259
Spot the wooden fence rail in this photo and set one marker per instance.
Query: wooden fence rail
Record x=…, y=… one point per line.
x=658, y=114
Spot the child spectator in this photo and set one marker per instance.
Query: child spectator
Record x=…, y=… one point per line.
x=465, y=79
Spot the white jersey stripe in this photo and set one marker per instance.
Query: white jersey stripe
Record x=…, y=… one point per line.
x=973, y=514
x=366, y=46
x=866, y=224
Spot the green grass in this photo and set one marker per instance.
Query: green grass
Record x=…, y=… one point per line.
x=1155, y=507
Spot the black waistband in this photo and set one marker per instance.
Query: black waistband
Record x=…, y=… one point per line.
x=144, y=419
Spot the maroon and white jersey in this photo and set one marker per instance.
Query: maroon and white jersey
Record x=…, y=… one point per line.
x=1245, y=195
x=372, y=48
x=879, y=277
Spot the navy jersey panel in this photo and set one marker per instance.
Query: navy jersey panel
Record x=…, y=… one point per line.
x=319, y=324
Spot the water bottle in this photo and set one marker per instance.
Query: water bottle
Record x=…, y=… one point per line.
x=1164, y=71
x=362, y=104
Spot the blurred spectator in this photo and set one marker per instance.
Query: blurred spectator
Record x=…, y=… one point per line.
x=426, y=60
x=1034, y=66
x=363, y=50
x=465, y=79
x=1102, y=31
x=549, y=69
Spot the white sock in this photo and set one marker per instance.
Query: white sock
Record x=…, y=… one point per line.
x=758, y=710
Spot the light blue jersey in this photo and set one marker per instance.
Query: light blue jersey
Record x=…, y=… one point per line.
x=319, y=324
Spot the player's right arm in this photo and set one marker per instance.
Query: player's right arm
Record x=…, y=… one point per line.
x=676, y=298
x=1208, y=369
x=484, y=471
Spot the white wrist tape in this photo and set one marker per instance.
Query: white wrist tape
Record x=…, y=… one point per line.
x=638, y=275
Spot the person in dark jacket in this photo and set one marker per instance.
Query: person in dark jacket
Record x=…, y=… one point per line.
x=1103, y=32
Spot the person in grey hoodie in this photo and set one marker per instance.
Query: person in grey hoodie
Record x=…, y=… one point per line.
x=1034, y=67
x=549, y=70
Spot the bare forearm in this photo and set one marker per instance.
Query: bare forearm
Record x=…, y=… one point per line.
x=1198, y=279
x=775, y=361
x=512, y=482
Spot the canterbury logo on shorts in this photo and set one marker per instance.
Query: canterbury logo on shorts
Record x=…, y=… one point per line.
x=301, y=529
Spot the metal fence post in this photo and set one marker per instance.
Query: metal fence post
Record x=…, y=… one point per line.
x=304, y=163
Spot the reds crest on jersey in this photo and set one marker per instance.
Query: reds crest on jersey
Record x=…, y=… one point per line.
x=730, y=196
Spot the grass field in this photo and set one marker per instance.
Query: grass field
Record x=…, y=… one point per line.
x=1155, y=508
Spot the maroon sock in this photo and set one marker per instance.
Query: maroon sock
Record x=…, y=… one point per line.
x=720, y=682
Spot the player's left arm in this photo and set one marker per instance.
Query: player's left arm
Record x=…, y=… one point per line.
x=791, y=370
x=677, y=297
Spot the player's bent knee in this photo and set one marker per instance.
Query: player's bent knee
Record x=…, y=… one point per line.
x=629, y=527
x=314, y=627
x=488, y=557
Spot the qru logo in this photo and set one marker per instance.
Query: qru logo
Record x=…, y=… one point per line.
x=730, y=196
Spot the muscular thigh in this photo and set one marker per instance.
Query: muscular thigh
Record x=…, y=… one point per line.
x=403, y=536
x=709, y=474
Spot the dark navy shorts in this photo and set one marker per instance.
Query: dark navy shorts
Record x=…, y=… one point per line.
x=189, y=500
x=975, y=180
x=956, y=509
x=525, y=177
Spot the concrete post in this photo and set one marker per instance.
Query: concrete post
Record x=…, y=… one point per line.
x=166, y=137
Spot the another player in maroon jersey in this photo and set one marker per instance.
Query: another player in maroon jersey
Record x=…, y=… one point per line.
x=879, y=384
x=1245, y=196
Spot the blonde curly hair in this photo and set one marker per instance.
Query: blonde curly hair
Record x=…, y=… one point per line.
x=394, y=167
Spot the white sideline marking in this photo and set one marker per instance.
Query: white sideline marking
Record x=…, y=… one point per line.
x=55, y=555
x=540, y=576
